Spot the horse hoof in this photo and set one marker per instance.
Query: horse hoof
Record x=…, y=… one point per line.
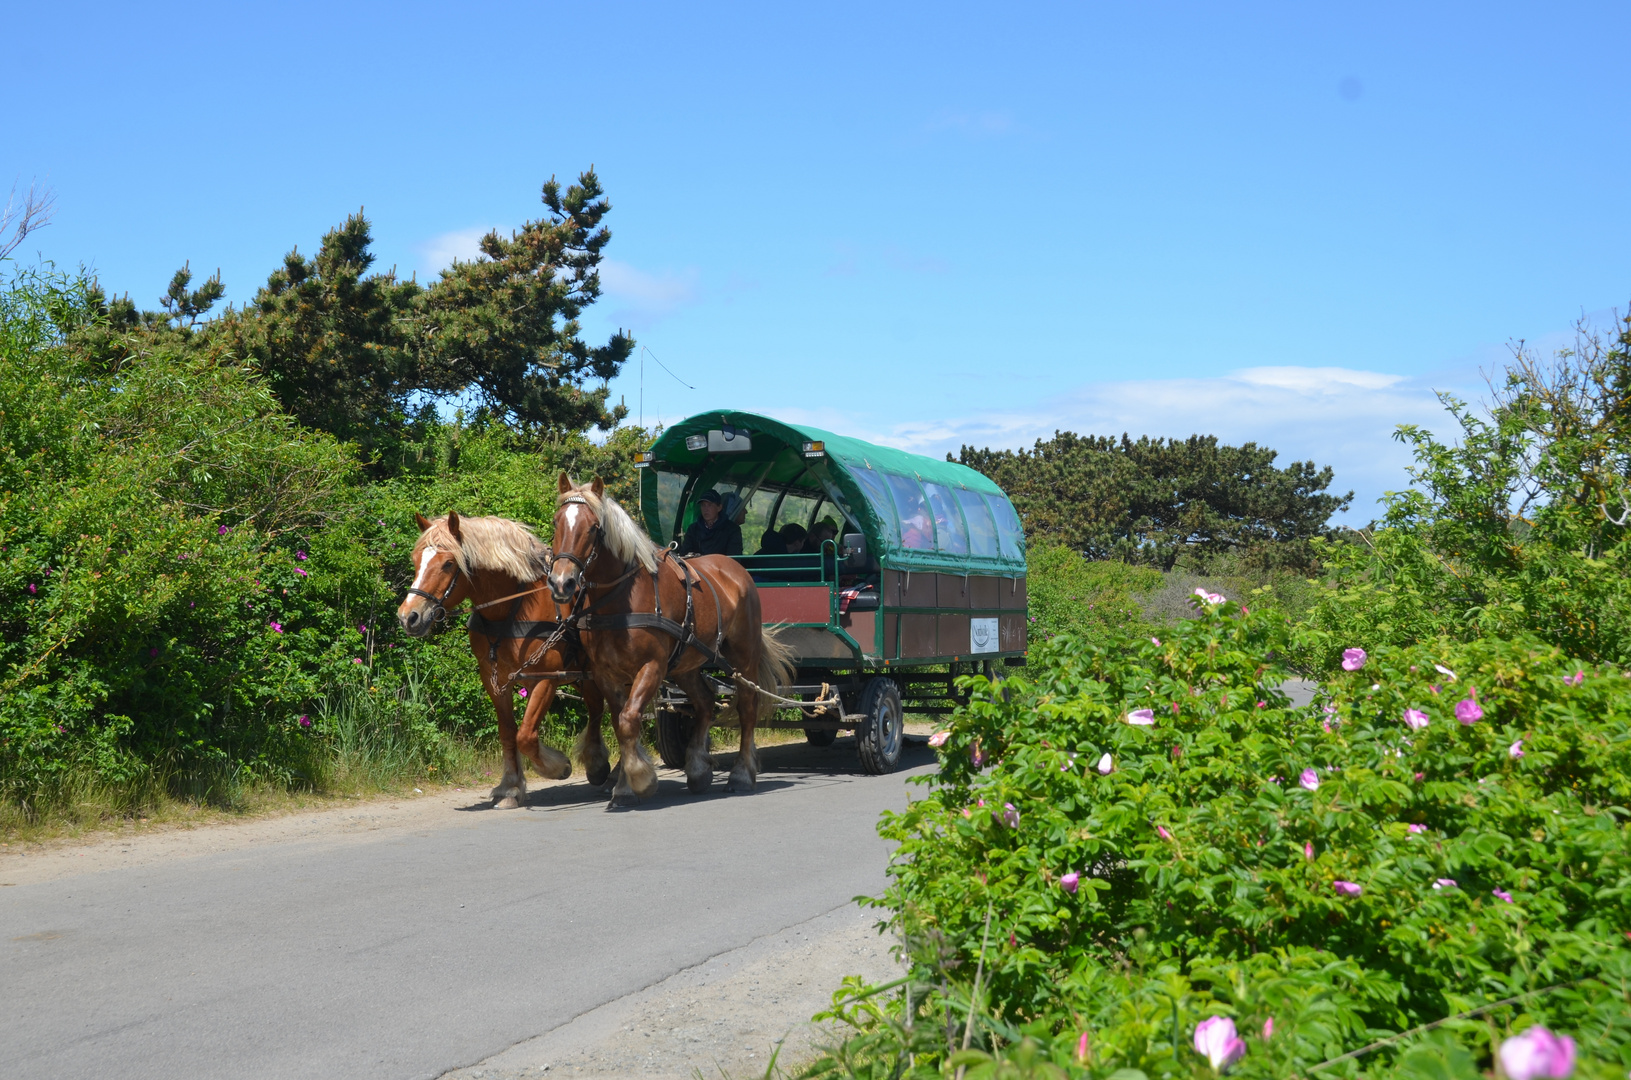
x=739, y=784
x=625, y=798
x=509, y=802
x=598, y=777
x=699, y=783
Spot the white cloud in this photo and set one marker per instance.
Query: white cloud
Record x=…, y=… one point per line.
x=438, y=253
x=640, y=298
x=1331, y=416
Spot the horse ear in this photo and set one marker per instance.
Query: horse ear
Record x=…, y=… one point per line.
x=598, y=487
x=566, y=482
x=453, y=525
x=424, y=522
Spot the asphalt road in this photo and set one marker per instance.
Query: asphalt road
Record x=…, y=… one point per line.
x=426, y=950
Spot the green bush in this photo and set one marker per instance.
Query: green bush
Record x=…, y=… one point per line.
x=185, y=573
x=1067, y=594
x=1210, y=880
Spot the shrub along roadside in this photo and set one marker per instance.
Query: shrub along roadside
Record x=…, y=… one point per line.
x=185, y=573
x=1157, y=837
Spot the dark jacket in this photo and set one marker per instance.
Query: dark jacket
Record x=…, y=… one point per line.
x=725, y=538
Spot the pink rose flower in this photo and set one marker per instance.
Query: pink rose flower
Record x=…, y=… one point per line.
x=1415, y=828
x=1310, y=780
x=1161, y=830
x=1347, y=888
x=1268, y=1029
x=1141, y=717
x=1444, y=883
x=1515, y=751
x=939, y=738
x=1468, y=711
x=1105, y=766
x=1415, y=719
x=1501, y=894
x=1070, y=882
x=1537, y=1054
x=1217, y=1041
x=1353, y=659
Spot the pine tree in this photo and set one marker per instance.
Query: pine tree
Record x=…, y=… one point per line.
x=505, y=327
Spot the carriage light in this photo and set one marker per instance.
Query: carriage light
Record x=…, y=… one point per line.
x=696, y=442
x=643, y=459
x=815, y=449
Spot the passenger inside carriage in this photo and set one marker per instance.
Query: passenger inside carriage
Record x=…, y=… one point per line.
x=712, y=533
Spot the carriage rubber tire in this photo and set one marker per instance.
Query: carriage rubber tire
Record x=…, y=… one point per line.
x=673, y=736
x=882, y=730
x=820, y=738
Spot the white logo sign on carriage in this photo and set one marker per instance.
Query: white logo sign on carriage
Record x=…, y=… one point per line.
x=982, y=635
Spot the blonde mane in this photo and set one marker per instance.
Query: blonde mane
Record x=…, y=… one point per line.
x=624, y=538
x=489, y=543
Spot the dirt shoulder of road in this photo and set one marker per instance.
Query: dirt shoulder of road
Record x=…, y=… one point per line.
x=723, y=1018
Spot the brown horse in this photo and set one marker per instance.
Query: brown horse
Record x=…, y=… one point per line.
x=501, y=566
x=646, y=615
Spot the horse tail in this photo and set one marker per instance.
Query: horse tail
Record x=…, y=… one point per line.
x=775, y=660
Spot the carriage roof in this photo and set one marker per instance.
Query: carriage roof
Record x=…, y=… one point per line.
x=975, y=527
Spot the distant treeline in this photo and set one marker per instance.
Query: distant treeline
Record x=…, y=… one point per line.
x=1154, y=501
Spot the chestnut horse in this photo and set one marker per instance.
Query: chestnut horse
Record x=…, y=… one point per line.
x=646, y=615
x=501, y=566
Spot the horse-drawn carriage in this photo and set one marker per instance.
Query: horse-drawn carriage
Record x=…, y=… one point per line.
x=924, y=581
x=918, y=577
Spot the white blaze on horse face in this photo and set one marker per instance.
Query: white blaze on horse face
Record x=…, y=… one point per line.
x=424, y=567
x=572, y=517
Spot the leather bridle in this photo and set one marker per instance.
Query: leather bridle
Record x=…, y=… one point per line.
x=440, y=602
x=595, y=537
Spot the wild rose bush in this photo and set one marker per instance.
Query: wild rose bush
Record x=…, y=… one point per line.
x=1324, y=877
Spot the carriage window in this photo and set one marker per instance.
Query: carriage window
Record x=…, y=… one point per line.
x=757, y=519
x=916, y=527
x=982, y=530
x=796, y=510
x=948, y=522
x=872, y=485
x=1009, y=530
x=670, y=486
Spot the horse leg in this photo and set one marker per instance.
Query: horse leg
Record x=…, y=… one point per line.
x=591, y=745
x=513, y=788
x=639, y=779
x=699, y=766
x=746, y=772
x=550, y=762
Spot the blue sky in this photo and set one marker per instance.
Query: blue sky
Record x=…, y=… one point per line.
x=927, y=224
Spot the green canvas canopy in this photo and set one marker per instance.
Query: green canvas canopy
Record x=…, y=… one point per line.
x=917, y=512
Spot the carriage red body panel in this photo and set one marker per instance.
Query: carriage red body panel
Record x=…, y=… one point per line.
x=796, y=604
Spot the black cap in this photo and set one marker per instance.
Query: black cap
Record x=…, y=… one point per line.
x=711, y=496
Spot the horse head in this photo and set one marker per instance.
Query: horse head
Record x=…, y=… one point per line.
x=577, y=537
x=439, y=582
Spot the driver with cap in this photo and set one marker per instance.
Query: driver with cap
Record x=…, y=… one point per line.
x=712, y=533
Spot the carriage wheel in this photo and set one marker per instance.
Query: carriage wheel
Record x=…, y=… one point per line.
x=819, y=738
x=673, y=736
x=882, y=730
